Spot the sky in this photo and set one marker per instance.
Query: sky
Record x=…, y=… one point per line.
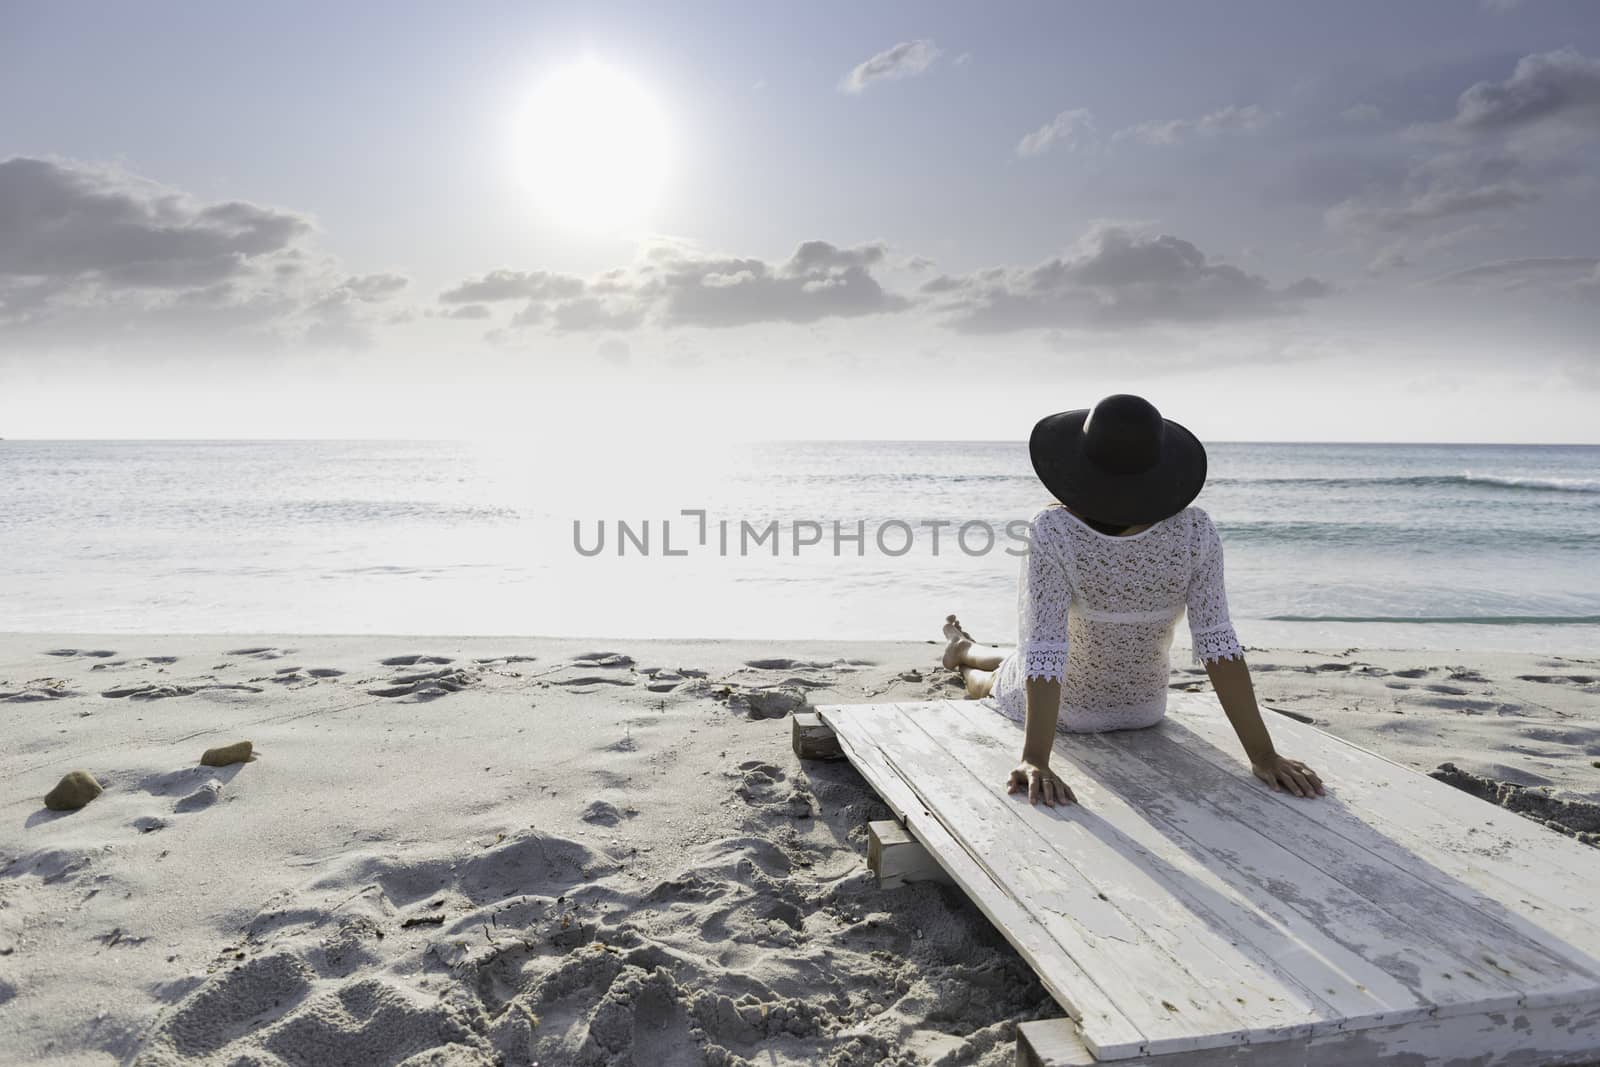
x=545, y=221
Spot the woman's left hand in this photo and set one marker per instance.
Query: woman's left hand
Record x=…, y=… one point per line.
x=1283, y=773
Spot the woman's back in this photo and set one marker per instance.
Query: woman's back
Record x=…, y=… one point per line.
x=1097, y=613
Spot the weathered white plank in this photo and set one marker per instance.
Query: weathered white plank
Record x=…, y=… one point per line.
x=1319, y=928
x=1486, y=962
x=1172, y=805
x=1070, y=984
x=1222, y=821
x=1178, y=903
x=1139, y=956
x=1313, y=977
x=897, y=857
x=1538, y=1037
x=1566, y=865
x=1502, y=869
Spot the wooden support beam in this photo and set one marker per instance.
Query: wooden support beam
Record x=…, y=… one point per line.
x=813, y=738
x=1520, y=1037
x=897, y=858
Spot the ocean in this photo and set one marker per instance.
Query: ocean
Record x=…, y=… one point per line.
x=1470, y=546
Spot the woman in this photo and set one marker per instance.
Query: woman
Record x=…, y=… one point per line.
x=1109, y=570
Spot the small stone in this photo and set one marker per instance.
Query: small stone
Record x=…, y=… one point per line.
x=912, y=675
x=223, y=755
x=74, y=790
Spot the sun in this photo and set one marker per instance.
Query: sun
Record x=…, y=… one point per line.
x=592, y=147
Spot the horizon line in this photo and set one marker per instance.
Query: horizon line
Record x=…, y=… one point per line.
x=783, y=440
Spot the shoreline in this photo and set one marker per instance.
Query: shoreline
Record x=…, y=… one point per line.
x=566, y=850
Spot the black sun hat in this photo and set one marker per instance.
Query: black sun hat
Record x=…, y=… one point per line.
x=1118, y=462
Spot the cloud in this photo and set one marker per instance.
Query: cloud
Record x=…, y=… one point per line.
x=92, y=255
x=374, y=288
x=85, y=223
x=468, y=311
x=1230, y=119
x=1550, y=86
x=675, y=285
x=1115, y=278
x=1362, y=114
x=1070, y=129
x=905, y=60
x=1548, y=273
x=1444, y=187
x=513, y=285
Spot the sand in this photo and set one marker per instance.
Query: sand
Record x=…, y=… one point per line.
x=520, y=851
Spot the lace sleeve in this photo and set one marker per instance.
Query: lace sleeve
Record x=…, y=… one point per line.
x=1209, y=625
x=1046, y=594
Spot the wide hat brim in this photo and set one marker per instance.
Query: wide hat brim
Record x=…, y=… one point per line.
x=1160, y=491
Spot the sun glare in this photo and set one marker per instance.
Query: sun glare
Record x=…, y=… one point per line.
x=593, y=147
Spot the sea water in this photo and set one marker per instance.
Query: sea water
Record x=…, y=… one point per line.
x=1471, y=546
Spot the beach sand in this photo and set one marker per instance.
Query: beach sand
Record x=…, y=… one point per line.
x=507, y=850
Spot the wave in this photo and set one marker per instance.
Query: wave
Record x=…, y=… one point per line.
x=1416, y=538
x=1464, y=479
x=1452, y=620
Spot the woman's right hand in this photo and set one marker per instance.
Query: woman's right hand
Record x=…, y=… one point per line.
x=1041, y=783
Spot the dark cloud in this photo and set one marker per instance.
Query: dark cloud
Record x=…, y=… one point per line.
x=93, y=257
x=674, y=285
x=513, y=285
x=1114, y=278
x=61, y=221
x=904, y=60
x=820, y=281
x=1562, y=85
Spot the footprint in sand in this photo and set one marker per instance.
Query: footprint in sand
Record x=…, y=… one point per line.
x=593, y=679
x=413, y=659
x=1414, y=672
x=98, y=653
x=38, y=689
x=167, y=690
x=298, y=676
x=208, y=794
x=1560, y=679
x=605, y=813
x=662, y=680
x=262, y=652
x=506, y=659
x=429, y=685
x=603, y=659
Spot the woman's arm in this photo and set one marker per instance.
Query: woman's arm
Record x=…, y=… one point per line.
x=1044, y=596
x=1217, y=646
x=1044, y=707
x=1231, y=679
x=1038, y=739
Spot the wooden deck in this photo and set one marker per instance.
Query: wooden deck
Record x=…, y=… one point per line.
x=1182, y=907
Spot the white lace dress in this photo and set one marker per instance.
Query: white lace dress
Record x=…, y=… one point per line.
x=1096, y=612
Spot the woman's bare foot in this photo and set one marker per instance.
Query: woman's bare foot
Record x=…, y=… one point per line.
x=959, y=640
